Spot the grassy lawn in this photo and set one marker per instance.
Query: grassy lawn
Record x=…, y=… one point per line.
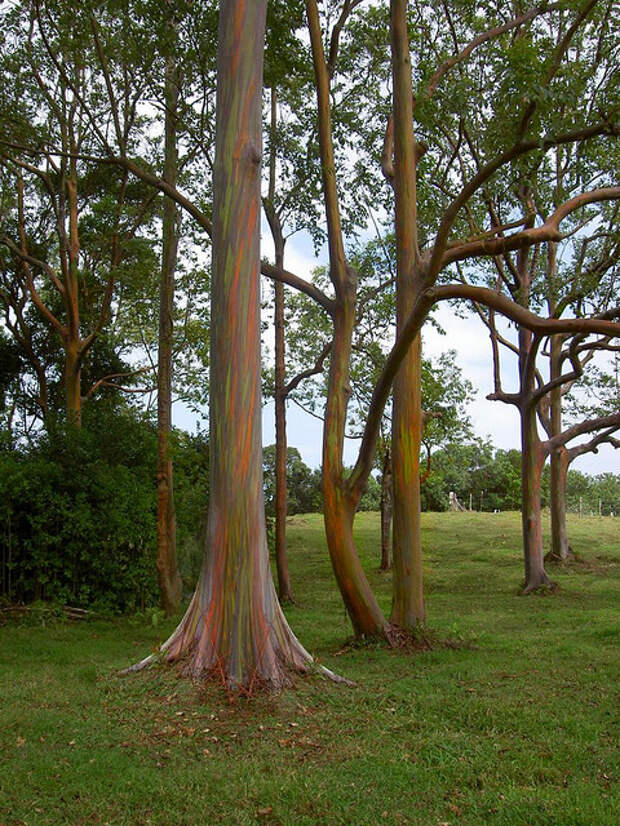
x=519, y=725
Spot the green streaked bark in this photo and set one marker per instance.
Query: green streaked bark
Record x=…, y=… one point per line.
x=234, y=627
x=407, y=590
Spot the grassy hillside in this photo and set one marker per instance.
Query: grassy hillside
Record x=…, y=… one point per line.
x=517, y=724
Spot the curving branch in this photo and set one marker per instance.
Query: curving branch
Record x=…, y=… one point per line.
x=490, y=34
x=423, y=304
x=549, y=231
x=318, y=367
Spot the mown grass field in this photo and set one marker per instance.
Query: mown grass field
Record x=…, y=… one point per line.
x=518, y=725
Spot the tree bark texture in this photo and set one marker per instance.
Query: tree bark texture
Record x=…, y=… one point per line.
x=386, y=512
x=234, y=626
x=407, y=584
x=532, y=462
x=559, y=464
x=285, y=592
x=169, y=579
x=339, y=500
x=338, y=505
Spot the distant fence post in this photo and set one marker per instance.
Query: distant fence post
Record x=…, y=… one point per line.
x=581, y=506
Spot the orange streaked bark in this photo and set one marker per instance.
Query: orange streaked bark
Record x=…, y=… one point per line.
x=234, y=627
x=407, y=418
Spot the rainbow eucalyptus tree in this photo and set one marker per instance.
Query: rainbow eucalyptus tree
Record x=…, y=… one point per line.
x=234, y=626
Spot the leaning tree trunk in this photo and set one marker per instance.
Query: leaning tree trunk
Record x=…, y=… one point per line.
x=407, y=584
x=234, y=627
x=169, y=579
x=338, y=504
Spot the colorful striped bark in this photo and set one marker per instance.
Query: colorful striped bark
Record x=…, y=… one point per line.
x=407, y=588
x=234, y=627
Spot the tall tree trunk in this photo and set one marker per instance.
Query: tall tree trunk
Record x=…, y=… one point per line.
x=386, y=512
x=407, y=584
x=169, y=579
x=72, y=344
x=234, y=626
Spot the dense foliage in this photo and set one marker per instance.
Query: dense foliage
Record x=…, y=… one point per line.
x=78, y=513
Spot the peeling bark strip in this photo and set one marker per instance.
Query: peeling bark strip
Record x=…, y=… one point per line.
x=234, y=627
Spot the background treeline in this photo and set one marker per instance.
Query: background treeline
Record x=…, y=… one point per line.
x=78, y=511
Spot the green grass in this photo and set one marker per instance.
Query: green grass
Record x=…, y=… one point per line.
x=517, y=726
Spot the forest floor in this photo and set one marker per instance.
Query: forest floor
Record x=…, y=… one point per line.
x=515, y=723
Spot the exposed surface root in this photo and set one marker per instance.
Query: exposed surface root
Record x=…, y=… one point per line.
x=555, y=559
x=541, y=588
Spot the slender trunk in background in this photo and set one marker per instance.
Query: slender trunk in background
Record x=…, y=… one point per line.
x=560, y=549
x=386, y=512
x=532, y=462
x=234, y=627
x=73, y=385
x=169, y=579
x=407, y=585
x=285, y=592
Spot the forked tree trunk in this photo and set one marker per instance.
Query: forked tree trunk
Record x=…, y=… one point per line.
x=386, y=512
x=532, y=462
x=407, y=585
x=234, y=626
x=169, y=579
